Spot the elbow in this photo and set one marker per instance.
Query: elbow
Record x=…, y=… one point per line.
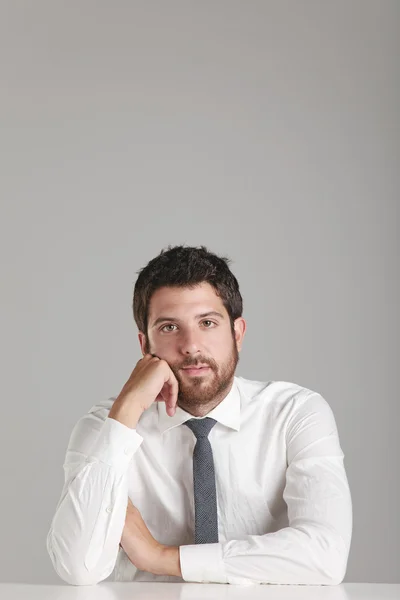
x=329, y=552
x=334, y=577
x=335, y=567
x=70, y=567
x=338, y=571
x=328, y=558
x=77, y=577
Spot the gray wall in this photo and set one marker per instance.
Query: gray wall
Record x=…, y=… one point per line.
x=267, y=131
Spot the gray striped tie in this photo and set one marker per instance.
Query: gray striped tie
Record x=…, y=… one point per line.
x=205, y=496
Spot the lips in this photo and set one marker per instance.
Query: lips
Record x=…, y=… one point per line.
x=196, y=370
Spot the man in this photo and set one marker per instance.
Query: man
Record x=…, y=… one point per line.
x=195, y=474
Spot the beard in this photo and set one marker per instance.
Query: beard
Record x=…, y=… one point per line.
x=205, y=390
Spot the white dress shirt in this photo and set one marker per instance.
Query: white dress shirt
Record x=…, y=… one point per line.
x=283, y=499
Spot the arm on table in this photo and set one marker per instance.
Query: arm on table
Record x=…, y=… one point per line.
x=314, y=549
x=85, y=532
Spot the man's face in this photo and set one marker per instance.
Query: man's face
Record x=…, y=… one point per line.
x=192, y=327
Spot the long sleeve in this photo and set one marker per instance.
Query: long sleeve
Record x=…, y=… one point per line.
x=85, y=532
x=314, y=549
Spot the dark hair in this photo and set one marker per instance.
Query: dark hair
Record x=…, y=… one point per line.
x=181, y=266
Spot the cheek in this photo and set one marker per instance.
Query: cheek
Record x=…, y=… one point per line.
x=222, y=347
x=164, y=345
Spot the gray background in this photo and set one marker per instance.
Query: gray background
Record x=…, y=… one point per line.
x=267, y=131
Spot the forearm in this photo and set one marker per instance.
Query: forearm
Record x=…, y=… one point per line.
x=81, y=544
x=164, y=562
x=80, y=550
x=313, y=550
x=126, y=413
x=170, y=563
x=289, y=556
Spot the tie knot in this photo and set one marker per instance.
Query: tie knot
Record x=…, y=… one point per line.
x=201, y=427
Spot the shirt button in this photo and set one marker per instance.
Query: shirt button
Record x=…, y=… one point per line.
x=127, y=450
x=109, y=509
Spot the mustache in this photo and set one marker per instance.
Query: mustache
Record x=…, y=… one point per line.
x=203, y=363
x=187, y=364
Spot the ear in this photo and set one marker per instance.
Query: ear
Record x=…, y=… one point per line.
x=142, y=342
x=240, y=329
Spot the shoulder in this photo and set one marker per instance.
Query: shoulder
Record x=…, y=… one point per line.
x=278, y=392
x=283, y=398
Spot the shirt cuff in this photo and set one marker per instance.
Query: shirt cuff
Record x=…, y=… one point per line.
x=202, y=563
x=115, y=444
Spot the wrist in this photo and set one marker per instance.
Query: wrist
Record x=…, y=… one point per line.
x=126, y=413
x=169, y=561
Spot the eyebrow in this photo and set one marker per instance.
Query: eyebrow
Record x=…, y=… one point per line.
x=211, y=313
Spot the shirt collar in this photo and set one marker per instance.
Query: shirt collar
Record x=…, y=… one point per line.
x=227, y=412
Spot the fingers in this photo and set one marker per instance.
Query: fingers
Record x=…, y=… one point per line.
x=169, y=392
x=173, y=395
x=149, y=357
x=170, y=389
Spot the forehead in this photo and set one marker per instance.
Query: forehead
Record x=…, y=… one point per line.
x=173, y=301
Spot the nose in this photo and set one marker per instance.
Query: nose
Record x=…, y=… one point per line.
x=189, y=343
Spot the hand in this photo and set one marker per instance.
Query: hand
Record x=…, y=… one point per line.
x=143, y=550
x=151, y=380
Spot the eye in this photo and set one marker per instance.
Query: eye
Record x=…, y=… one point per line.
x=208, y=321
x=169, y=325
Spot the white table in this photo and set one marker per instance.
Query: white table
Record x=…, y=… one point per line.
x=199, y=591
